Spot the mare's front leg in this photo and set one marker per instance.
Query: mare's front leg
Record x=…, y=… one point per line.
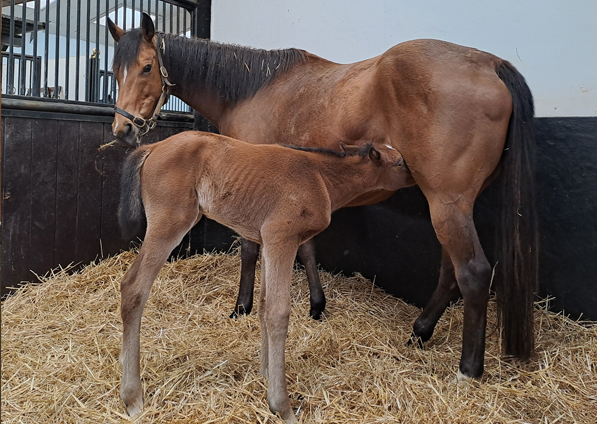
x=249, y=253
x=161, y=238
x=306, y=253
x=274, y=312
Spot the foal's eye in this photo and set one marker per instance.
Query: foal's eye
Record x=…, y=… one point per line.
x=147, y=69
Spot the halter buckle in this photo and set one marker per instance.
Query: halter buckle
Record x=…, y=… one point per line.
x=139, y=122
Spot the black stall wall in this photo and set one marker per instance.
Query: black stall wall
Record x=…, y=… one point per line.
x=394, y=243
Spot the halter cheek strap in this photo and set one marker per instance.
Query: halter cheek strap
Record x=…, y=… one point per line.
x=146, y=125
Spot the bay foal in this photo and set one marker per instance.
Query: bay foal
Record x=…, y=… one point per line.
x=272, y=195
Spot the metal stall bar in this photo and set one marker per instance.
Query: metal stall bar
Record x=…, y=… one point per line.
x=35, y=87
x=46, y=49
x=78, y=59
x=116, y=22
x=67, y=69
x=96, y=87
x=124, y=15
x=57, y=57
x=106, y=53
x=87, y=55
x=11, y=58
x=133, y=18
x=23, y=61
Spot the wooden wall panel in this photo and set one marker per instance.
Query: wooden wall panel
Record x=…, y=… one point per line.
x=43, y=195
x=16, y=201
x=60, y=193
x=67, y=181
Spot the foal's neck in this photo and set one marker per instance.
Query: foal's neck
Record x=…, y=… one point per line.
x=347, y=178
x=213, y=77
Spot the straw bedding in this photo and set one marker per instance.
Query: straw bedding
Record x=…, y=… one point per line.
x=61, y=341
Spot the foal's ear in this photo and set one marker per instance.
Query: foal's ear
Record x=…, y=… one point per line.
x=349, y=149
x=147, y=28
x=115, y=30
x=374, y=155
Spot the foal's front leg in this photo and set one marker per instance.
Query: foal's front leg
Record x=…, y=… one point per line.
x=275, y=315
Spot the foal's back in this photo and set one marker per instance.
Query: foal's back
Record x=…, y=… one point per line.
x=238, y=184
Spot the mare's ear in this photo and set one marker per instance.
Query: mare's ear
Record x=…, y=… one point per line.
x=147, y=28
x=116, y=32
x=374, y=155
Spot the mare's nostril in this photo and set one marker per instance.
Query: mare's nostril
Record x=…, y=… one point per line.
x=128, y=128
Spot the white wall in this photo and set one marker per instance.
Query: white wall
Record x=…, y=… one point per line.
x=552, y=42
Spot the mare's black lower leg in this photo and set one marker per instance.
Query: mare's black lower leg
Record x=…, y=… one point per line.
x=447, y=290
x=306, y=253
x=454, y=227
x=249, y=253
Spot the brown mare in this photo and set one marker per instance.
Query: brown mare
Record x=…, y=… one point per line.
x=459, y=116
x=272, y=195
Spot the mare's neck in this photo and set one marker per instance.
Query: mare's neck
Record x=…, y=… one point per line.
x=347, y=178
x=212, y=77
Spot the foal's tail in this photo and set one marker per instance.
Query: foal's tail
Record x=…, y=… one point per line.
x=517, y=269
x=131, y=213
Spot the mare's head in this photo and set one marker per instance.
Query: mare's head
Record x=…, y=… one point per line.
x=139, y=80
x=393, y=173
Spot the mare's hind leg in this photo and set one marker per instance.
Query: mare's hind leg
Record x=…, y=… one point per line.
x=306, y=253
x=453, y=224
x=446, y=291
x=249, y=253
x=162, y=236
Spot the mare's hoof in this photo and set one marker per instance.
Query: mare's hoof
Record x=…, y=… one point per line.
x=238, y=311
x=416, y=341
x=315, y=314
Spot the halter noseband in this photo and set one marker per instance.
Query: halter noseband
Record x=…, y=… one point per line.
x=146, y=125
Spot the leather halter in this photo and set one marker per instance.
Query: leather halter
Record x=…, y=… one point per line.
x=146, y=125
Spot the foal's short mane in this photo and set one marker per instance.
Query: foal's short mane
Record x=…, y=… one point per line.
x=362, y=151
x=235, y=72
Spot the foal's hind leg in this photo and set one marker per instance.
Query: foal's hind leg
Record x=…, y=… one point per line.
x=249, y=253
x=446, y=291
x=306, y=253
x=453, y=223
x=162, y=236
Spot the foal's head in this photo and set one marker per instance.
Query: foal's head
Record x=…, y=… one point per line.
x=393, y=173
x=140, y=85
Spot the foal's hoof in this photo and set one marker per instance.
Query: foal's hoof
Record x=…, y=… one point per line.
x=134, y=410
x=133, y=399
x=415, y=340
x=134, y=407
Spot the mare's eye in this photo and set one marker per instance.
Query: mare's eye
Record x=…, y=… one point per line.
x=147, y=69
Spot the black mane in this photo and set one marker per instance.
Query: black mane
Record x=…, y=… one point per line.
x=235, y=72
x=363, y=150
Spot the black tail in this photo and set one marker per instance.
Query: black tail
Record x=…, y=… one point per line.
x=131, y=214
x=517, y=270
